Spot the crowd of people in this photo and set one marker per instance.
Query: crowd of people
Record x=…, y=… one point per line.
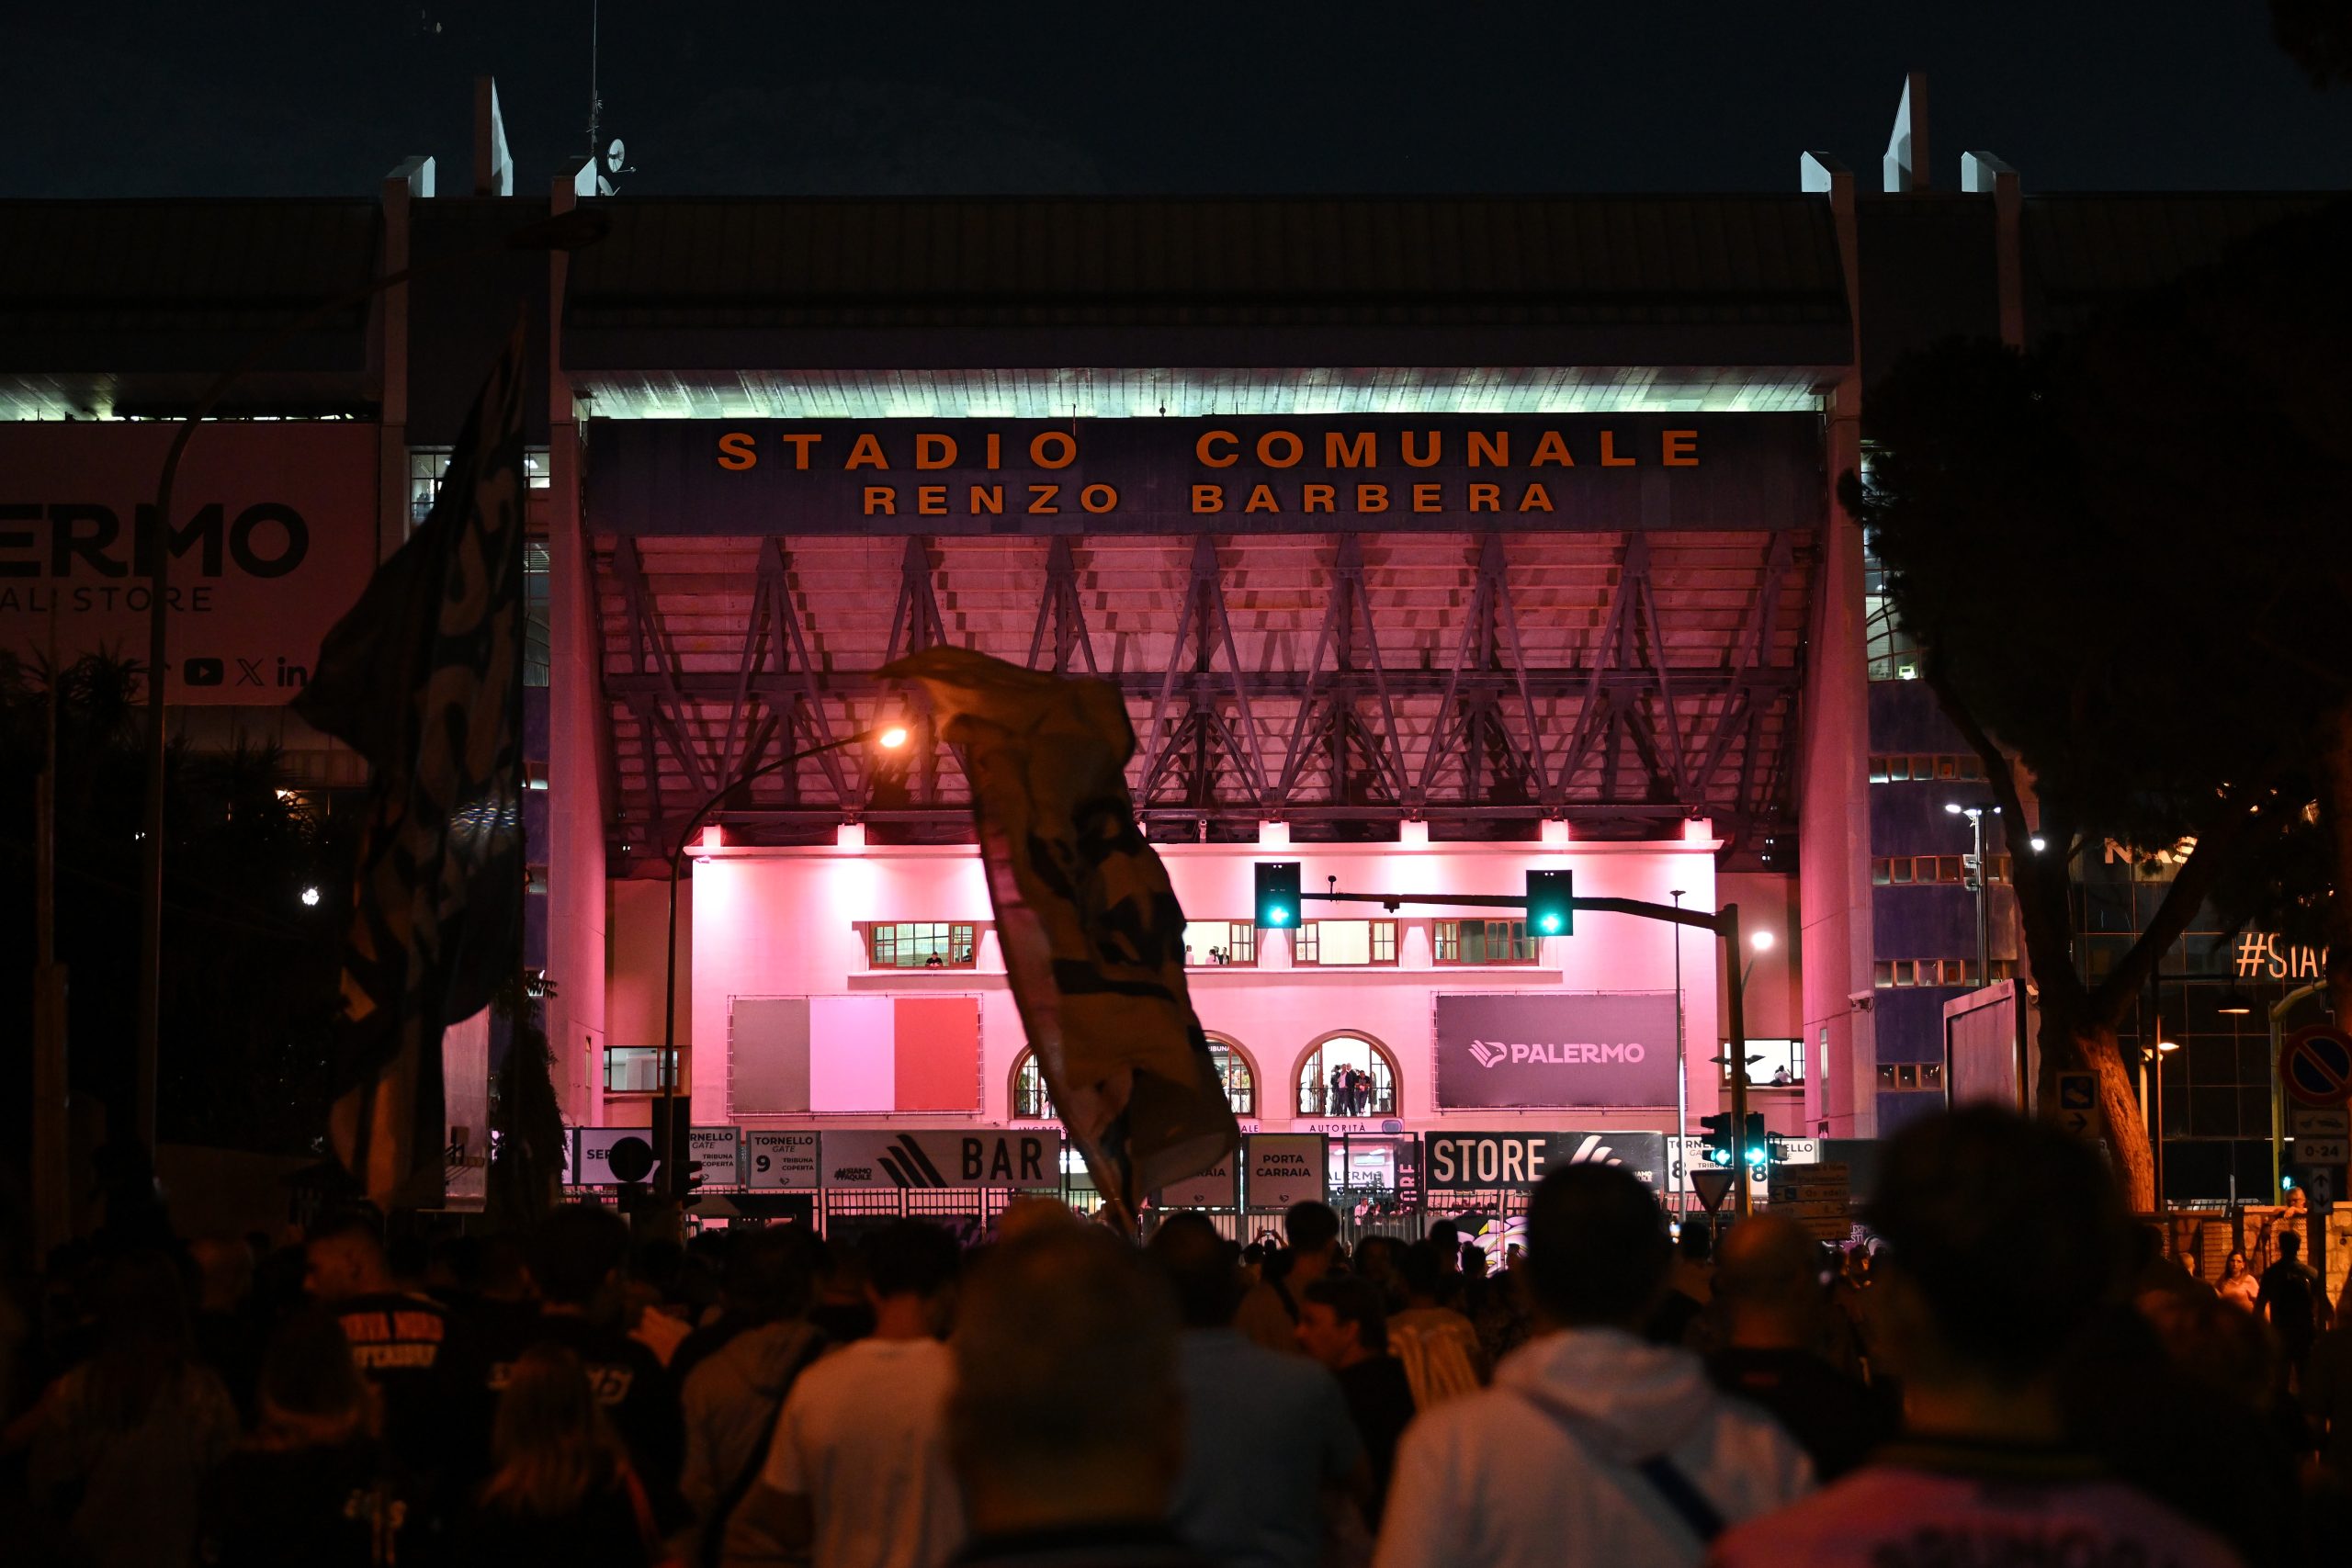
x=2014, y=1375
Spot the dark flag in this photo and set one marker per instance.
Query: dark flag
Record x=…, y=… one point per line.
x=424, y=678
x=1093, y=938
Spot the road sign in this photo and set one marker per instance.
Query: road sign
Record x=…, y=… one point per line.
x=2315, y=1065
x=2319, y=1121
x=2321, y=1151
x=2319, y=1183
x=2079, y=1110
x=1713, y=1184
x=1819, y=1198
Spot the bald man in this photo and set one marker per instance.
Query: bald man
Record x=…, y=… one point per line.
x=1768, y=1295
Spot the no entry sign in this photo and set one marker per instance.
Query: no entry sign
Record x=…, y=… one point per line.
x=2315, y=1065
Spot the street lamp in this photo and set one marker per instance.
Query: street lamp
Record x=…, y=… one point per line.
x=563, y=231
x=886, y=738
x=1681, y=1080
x=1975, y=866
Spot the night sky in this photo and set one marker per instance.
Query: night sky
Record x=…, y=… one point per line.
x=301, y=97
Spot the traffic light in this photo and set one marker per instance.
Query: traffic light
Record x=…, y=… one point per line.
x=1758, y=1142
x=1278, y=893
x=1719, y=1141
x=1551, y=908
x=674, y=1139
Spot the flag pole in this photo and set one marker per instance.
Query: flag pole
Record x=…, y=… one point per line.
x=564, y=231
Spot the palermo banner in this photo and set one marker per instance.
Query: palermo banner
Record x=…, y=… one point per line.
x=273, y=537
x=1554, y=1050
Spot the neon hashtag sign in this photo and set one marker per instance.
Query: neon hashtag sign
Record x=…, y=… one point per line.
x=2260, y=957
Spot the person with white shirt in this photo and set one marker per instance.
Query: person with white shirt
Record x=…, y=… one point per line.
x=1592, y=1447
x=857, y=1472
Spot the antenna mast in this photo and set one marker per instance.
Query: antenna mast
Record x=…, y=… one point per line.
x=596, y=100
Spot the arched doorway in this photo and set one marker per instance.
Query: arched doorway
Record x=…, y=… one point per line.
x=1030, y=1102
x=1346, y=1074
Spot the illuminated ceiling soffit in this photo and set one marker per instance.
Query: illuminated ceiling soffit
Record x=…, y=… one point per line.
x=1191, y=394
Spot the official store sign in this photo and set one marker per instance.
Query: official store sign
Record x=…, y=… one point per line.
x=976, y=1156
x=1517, y=1162
x=272, y=537
x=1181, y=476
x=1554, y=1049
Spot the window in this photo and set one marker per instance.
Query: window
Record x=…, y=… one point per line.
x=1902, y=870
x=1777, y=1064
x=1346, y=1075
x=535, y=655
x=1937, y=971
x=427, y=466
x=1923, y=767
x=634, y=1069
x=1892, y=652
x=1484, y=941
x=1032, y=1104
x=920, y=945
x=1217, y=942
x=1345, y=941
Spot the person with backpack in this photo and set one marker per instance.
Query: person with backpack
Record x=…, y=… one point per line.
x=1593, y=1448
x=856, y=1474
x=733, y=1394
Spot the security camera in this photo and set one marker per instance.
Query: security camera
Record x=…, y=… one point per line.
x=1861, y=1002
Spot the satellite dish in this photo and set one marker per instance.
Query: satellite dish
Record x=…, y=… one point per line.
x=614, y=156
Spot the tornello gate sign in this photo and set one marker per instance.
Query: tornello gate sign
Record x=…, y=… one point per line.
x=1553, y=1049
x=1185, y=474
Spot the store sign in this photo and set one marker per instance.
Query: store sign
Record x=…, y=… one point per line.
x=976, y=1156
x=779, y=1160
x=1231, y=475
x=1554, y=1049
x=272, y=538
x=1515, y=1162
x=1283, y=1169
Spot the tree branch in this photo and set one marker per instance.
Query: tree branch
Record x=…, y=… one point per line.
x=2233, y=828
x=2041, y=890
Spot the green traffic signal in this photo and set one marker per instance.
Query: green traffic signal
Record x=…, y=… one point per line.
x=1277, y=901
x=1719, y=1139
x=1551, y=902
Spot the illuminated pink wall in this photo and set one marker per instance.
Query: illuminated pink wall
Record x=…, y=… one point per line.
x=783, y=922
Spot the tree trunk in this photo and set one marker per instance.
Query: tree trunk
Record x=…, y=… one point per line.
x=2069, y=1045
x=2336, y=819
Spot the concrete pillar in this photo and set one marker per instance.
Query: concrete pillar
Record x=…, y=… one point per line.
x=577, y=897
x=412, y=179
x=1981, y=173
x=1834, y=864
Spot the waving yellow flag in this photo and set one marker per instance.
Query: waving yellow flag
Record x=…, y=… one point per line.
x=1093, y=939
